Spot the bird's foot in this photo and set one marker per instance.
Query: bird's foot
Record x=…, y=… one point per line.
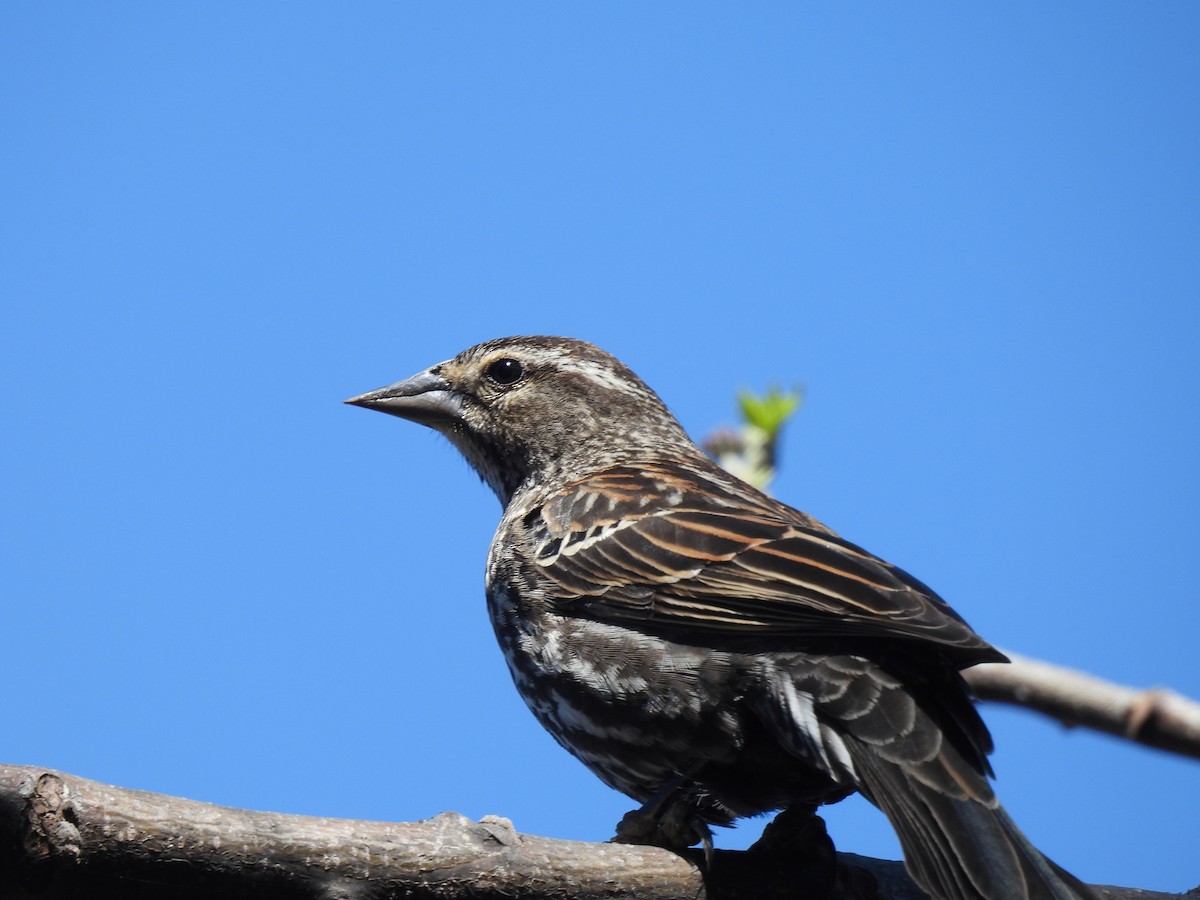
x=673, y=826
x=795, y=829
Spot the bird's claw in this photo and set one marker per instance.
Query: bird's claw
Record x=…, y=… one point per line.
x=673, y=828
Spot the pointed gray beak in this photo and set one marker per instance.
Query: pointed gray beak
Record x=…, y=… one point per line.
x=426, y=398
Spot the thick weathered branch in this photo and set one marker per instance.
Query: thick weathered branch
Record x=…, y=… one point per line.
x=1155, y=717
x=67, y=837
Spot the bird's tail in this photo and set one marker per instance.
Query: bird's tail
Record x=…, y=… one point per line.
x=959, y=843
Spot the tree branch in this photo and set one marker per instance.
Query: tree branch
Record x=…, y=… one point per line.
x=67, y=837
x=1155, y=717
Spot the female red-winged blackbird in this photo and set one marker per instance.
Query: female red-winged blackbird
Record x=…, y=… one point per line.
x=704, y=648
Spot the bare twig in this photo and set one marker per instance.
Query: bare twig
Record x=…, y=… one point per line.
x=1155, y=717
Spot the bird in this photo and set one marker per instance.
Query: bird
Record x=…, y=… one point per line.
x=702, y=647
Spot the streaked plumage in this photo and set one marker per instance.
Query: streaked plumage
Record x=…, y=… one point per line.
x=702, y=647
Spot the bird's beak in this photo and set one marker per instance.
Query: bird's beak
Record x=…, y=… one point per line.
x=426, y=398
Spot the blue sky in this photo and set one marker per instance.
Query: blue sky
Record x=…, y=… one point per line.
x=970, y=233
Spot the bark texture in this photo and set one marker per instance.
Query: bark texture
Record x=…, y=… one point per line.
x=66, y=837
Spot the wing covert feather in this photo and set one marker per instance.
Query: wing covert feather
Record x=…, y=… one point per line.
x=658, y=547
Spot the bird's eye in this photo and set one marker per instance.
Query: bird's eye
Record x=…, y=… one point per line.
x=504, y=371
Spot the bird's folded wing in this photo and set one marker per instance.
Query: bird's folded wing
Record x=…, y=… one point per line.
x=677, y=558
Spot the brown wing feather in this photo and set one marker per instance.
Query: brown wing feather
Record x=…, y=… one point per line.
x=675, y=550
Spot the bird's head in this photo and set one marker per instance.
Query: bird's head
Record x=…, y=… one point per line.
x=522, y=407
